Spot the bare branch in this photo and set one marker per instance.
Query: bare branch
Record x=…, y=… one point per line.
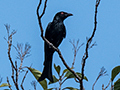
x=106, y=86
x=9, y=84
x=64, y=81
x=16, y=85
x=34, y=83
x=76, y=80
x=7, y=28
x=16, y=71
x=101, y=73
x=40, y=16
x=88, y=44
x=94, y=44
x=1, y=79
x=9, y=41
x=75, y=49
x=14, y=67
x=23, y=80
x=22, y=53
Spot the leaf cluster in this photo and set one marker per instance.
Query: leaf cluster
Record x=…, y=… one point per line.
x=66, y=74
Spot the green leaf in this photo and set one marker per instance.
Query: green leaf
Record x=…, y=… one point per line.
x=4, y=85
x=71, y=75
x=70, y=88
x=57, y=68
x=37, y=74
x=50, y=89
x=80, y=75
x=54, y=79
x=43, y=84
x=115, y=72
x=65, y=70
x=117, y=85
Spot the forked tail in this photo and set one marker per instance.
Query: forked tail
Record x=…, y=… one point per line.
x=47, y=71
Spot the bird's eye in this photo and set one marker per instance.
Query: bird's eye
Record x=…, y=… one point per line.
x=62, y=13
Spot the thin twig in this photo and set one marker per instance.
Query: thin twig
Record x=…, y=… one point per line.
x=107, y=85
x=101, y=73
x=9, y=84
x=16, y=70
x=16, y=85
x=9, y=55
x=22, y=53
x=34, y=84
x=94, y=44
x=21, y=56
x=23, y=80
x=60, y=84
x=64, y=80
x=9, y=41
x=75, y=49
x=1, y=79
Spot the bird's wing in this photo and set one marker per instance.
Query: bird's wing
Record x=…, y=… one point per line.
x=55, y=33
x=48, y=31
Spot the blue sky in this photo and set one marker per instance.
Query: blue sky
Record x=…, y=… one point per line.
x=21, y=15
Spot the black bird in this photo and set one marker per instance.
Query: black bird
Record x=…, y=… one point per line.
x=55, y=33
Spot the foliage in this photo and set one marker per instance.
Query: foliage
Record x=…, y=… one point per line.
x=4, y=85
x=117, y=85
x=66, y=74
x=115, y=72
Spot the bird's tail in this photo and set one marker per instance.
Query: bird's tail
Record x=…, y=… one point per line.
x=47, y=71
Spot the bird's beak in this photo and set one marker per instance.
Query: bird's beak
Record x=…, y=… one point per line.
x=69, y=14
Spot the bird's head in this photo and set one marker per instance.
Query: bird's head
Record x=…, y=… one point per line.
x=61, y=16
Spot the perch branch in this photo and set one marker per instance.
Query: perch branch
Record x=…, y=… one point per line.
x=56, y=49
